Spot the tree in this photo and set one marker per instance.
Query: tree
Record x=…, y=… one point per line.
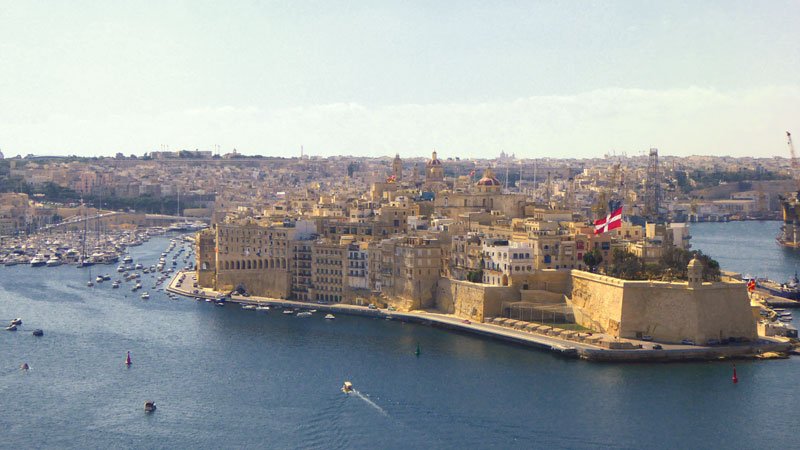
x=675, y=261
x=592, y=259
x=625, y=265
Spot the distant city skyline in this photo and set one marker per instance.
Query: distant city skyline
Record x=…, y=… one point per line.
x=469, y=79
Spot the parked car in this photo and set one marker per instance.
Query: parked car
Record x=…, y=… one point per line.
x=372, y=306
x=466, y=321
x=647, y=337
x=712, y=342
x=687, y=342
x=657, y=347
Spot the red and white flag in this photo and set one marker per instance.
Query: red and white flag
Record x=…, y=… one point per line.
x=609, y=222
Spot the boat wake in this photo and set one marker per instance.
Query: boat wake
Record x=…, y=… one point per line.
x=370, y=402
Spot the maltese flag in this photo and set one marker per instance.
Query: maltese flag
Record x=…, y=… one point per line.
x=609, y=222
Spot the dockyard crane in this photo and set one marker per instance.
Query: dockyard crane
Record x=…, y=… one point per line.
x=795, y=164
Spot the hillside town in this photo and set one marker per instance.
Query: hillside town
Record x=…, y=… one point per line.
x=559, y=240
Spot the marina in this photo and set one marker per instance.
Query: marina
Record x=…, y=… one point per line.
x=80, y=249
x=168, y=337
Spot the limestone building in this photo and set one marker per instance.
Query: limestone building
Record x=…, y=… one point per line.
x=397, y=168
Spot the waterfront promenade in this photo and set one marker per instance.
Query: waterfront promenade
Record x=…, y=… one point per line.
x=565, y=347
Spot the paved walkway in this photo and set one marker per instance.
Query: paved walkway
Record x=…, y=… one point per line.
x=669, y=352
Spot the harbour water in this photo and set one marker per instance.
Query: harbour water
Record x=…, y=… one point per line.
x=226, y=377
x=748, y=248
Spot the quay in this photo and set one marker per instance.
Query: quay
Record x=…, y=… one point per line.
x=590, y=351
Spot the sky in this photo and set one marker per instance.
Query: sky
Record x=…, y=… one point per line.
x=467, y=78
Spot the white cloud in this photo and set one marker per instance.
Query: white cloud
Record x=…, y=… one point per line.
x=679, y=122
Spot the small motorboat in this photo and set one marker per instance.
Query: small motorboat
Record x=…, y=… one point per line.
x=347, y=387
x=288, y=311
x=149, y=406
x=329, y=317
x=107, y=277
x=24, y=366
x=145, y=295
x=11, y=328
x=99, y=279
x=38, y=332
x=115, y=285
x=16, y=321
x=249, y=307
x=262, y=308
x=304, y=314
x=90, y=284
x=127, y=259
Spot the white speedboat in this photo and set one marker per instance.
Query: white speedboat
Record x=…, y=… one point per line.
x=38, y=260
x=304, y=314
x=115, y=285
x=99, y=279
x=145, y=296
x=347, y=387
x=127, y=259
x=329, y=317
x=288, y=311
x=53, y=261
x=262, y=308
x=249, y=307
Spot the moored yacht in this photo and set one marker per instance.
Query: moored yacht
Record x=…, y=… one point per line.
x=38, y=260
x=53, y=261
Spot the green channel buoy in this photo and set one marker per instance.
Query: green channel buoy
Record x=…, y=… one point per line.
x=417, y=352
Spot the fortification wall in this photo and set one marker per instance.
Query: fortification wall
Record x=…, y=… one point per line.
x=473, y=301
x=670, y=312
x=273, y=283
x=597, y=301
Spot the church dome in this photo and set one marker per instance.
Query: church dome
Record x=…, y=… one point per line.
x=488, y=179
x=434, y=161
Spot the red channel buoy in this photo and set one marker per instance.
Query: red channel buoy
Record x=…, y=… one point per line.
x=128, y=359
x=735, y=379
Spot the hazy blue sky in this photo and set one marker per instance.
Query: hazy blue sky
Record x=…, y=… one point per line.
x=576, y=78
